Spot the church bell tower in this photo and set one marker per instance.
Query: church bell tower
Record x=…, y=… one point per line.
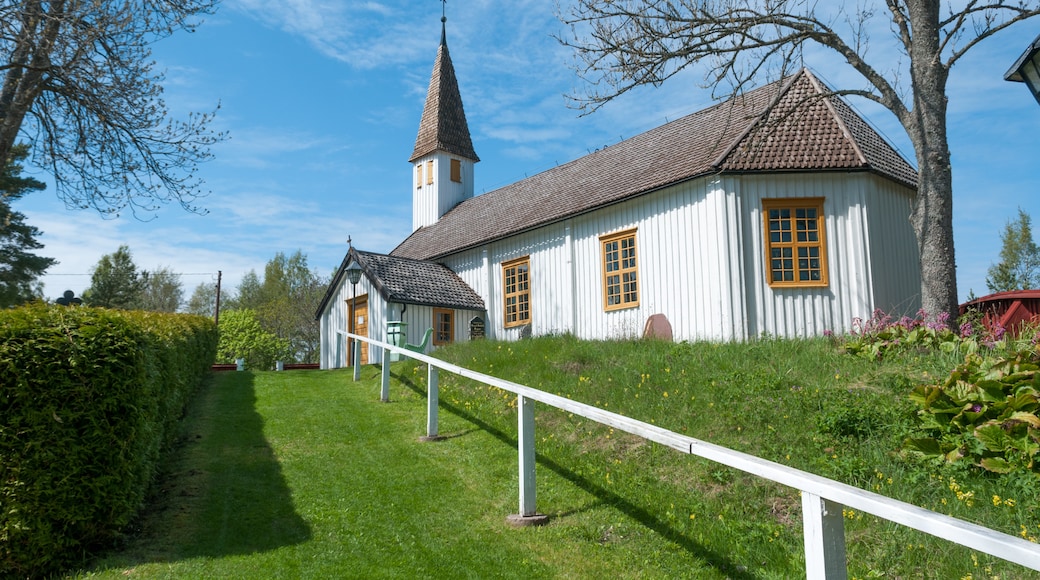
x=443, y=158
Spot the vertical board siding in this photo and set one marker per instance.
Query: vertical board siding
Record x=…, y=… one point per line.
x=333, y=349
x=897, y=279
x=700, y=262
x=420, y=318
x=854, y=260
x=433, y=200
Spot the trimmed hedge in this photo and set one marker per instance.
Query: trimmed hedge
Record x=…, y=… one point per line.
x=88, y=400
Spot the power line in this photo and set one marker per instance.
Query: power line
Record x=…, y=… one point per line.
x=174, y=273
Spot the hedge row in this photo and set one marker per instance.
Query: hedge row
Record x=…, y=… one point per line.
x=88, y=400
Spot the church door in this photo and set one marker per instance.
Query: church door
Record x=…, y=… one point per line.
x=358, y=312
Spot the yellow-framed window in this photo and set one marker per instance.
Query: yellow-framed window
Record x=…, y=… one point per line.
x=620, y=272
x=429, y=172
x=516, y=291
x=795, y=242
x=443, y=326
x=456, y=170
x=418, y=176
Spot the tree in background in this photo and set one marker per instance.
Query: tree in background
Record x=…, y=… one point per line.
x=621, y=45
x=19, y=268
x=249, y=292
x=285, y=300
x=1019, y=266
x=161, y=291
x=203, y=301
x=242, y=336
x=79, y=82
x=114, y=281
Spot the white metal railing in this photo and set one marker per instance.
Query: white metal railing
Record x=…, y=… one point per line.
x=822, y=499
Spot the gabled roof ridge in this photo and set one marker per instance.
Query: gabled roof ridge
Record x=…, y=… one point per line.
x=827, y=94
x=718, y=161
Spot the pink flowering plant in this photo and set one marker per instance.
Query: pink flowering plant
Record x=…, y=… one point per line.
x=882, y=334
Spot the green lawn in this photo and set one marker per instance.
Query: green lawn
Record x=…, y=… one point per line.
x=305, y=474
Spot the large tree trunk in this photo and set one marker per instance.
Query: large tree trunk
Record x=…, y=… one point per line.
x=932, y=217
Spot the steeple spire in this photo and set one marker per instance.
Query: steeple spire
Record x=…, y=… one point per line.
x=443, y=125
x=444, y=19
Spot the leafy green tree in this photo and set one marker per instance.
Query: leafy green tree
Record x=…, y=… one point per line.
x=242, y=336
x=249, y=292
x=1019, y=266
x=621, y=45
x=285, y=301
x=115, y=281
x=203, y=301
x=161, y=291
x=79, y=81
x=19, y=267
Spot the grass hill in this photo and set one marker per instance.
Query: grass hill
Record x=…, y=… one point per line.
x=306, y=474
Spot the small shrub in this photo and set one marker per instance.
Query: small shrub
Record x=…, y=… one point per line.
x=985, y=412
x=881, y=334
x=852, y=422
x=242, y=336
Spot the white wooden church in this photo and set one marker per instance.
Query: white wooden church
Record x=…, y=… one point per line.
x=780, y=212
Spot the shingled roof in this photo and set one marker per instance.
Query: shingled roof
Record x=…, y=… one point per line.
x=443, y=125
x=789, y=125
x=407, y=281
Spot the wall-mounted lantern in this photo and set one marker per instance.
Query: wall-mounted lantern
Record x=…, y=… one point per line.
x=1027, y=69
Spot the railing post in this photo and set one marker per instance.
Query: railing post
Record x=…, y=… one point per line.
x=824, y=529
x=356, y=355
x=432, y=402
x=528, y=515
x=384, y=389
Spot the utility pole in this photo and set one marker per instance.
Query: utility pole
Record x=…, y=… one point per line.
x=216, y=311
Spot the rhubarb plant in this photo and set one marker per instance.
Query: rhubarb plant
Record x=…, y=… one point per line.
x=985, y=412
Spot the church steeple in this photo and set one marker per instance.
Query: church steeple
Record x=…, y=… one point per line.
x=443, y=126
x=443, y=156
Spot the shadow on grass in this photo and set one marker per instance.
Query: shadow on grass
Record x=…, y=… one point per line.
x=605, y=496
x=223, y=492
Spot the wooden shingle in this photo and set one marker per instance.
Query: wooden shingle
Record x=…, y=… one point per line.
x=791, y=125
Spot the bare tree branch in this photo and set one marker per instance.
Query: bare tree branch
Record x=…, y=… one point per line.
x=620, y=45
x=80, y=86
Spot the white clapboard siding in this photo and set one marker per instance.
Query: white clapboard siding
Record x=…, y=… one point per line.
x=701, y=261
x=335, y=317
x=896, y=255
x=431, y=201
x=853, y=267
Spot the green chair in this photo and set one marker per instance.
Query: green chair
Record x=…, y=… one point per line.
x=420, y=348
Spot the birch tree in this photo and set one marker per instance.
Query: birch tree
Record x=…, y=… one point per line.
x=80, y=86
x=624, y=44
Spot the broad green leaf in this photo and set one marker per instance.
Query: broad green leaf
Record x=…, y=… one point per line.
x=993, y=437
x=927, y=446
x=996, y=465
x=992, y=391
x=1028, y=418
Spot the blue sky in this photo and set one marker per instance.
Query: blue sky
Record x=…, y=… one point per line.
x=322, y=100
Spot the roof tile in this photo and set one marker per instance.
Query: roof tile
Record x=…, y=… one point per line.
x=443, y=125
x=807, y=129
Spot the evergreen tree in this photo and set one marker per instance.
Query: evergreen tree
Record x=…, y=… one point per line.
x=115, y=281
x=1019, y=266
x=19, y=268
